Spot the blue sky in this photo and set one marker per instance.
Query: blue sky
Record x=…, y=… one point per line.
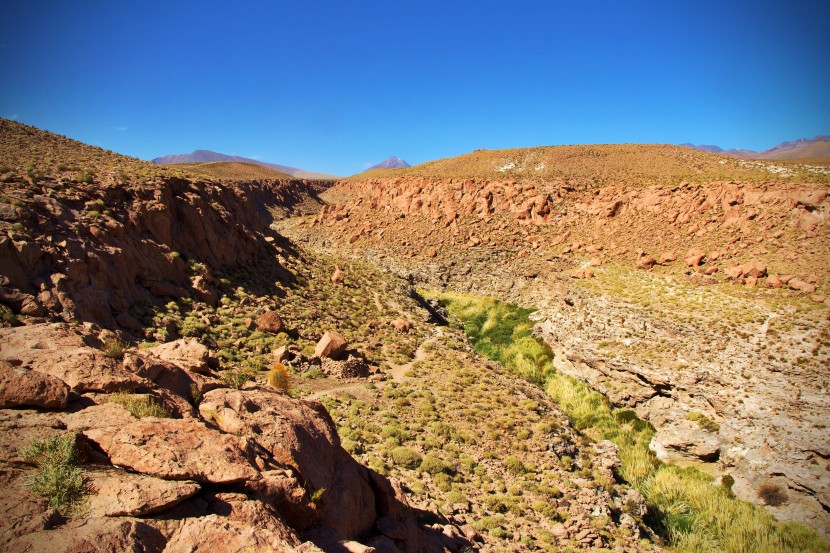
x=337, y=86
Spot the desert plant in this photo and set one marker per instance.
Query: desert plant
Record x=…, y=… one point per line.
x=58, y=476
x=772, y=494
x=115, y=348
x=140, y=406
x=406, y=458
x=235, y=378
x=279, y=378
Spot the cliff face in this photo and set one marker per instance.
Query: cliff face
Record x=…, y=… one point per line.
x=92, y=253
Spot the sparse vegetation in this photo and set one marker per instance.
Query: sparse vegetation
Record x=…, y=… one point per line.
x=58, y=476
x=686, y=508
x=115, y=348
x=140, y=406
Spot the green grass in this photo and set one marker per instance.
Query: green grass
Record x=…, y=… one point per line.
x=685, y=506
x=58, y=476
x=140, y=406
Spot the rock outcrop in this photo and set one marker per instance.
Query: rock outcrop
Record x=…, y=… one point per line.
x=251, y=468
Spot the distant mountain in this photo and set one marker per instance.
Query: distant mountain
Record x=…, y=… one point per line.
x=391, y=163
x=794, y=149
x=202, y=156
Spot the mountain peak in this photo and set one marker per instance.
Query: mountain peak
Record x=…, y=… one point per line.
x=390, y=163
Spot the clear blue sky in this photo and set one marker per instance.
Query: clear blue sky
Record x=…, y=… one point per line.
x=336, y=86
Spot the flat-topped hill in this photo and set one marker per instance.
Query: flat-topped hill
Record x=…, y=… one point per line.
x=603, y=164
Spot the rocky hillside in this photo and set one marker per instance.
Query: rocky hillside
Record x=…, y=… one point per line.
x=230, y=170
x=699, y=303
x=168, y=446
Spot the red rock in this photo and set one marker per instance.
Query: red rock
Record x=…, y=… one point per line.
x=118, y=493
x=219, y=534
x=337, y=277
x=693, y=260
x=270, y=321
x=331, y=345
x=800, y=285
x=62, y=351
x=646, y=262
x=595, y=262
x=187, y=353
x=734, y=272
x=754, y=269
x=402, y=325
x=20, y=386
x=92, y=535
x=301, y=435
x=711, y=270
x=774, y=282
x=667, y=258
x=175, y=449
x=818, y=298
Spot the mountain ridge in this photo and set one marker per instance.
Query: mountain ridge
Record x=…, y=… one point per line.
x=208, y=156
x=801, y=148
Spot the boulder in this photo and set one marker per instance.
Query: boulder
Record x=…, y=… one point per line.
x=91, y=535
x=684, y=440
x=65, y=352
x=402, y=325
x=299, y=435
x=646, y=262
x=187, y=353
x=175, y=449
x=331, y=345
x=270, y=321
x=219, y=534
x=798, y=284
x=337, y=277
x=583, y=273
x=20, y=386
x=116, y=493
x=353, y=367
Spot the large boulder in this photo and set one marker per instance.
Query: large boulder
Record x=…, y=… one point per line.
x=175, y=449
x=270, y=321
x=20, y=386
x=331, y=345
x=68, y=353
x=187, y=353
x=302, y=436
x=117, y=493
x=684, y=440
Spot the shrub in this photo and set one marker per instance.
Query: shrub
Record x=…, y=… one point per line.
x=115, y=348
x=406, y=458
x=58, y=477
x=434, y=465
x=703, y=421
x=279, y=378
x=514, y=464
x=235, y=378
x=772, y=494
x=140, y=406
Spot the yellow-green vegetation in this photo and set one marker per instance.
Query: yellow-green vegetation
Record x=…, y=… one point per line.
x=57, y=476
x=279, y=378
x=599, y=164
x=140, y=406
x=686, y=507
x=466, y=435
x=115, y=348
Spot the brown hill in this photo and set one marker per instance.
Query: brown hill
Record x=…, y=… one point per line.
x=807, y=151
x=597, y=165
x=230, y=170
